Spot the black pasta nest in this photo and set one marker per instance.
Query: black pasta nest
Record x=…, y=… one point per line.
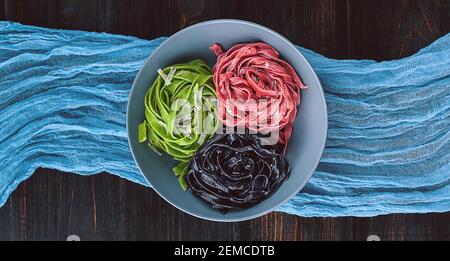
x=234, y=171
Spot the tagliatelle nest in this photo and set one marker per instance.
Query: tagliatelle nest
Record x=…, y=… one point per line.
x=234, y=171
x=248, y=73
x=180, y=113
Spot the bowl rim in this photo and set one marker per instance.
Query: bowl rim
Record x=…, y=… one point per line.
x=322, y=142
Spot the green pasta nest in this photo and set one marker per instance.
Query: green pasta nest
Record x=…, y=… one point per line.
x=180, y=113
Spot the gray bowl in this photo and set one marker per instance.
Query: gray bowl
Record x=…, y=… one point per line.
x=310, y=129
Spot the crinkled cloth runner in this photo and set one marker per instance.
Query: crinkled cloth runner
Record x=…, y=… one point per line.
x=63, y=97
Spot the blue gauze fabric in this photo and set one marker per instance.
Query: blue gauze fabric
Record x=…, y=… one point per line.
x=63, y=97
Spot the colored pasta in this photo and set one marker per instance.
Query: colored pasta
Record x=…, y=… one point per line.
x=247, y=73
x=180, y=114
x=235, y=171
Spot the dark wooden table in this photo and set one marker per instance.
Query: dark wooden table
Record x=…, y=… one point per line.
x=52, y=205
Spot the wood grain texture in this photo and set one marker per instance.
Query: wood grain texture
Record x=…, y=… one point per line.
x=412, y=25
x=52, y=205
